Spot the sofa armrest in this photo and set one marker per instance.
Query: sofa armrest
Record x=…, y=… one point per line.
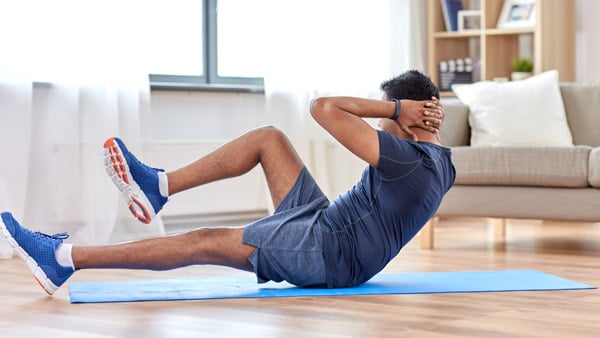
x=594, y=171
x=455, y=129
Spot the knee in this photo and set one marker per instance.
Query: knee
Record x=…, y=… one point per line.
x=271, y=135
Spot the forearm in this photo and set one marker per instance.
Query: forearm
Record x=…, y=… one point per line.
x=352, y=105
x=426, y=115
x=342, y=117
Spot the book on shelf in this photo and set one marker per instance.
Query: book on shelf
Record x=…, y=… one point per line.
x=450, y=10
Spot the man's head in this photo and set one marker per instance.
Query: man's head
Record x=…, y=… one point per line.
x=411, y=85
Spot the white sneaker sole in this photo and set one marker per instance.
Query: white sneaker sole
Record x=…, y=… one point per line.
x=118, y=170
x=38, y=273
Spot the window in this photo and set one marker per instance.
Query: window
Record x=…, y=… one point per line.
x=209, y=44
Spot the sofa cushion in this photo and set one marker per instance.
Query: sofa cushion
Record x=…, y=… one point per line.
x=522, y=166
x=594, y=174
x=582, y=103
x=517, y=113
x=564, y=204
x=455, y=129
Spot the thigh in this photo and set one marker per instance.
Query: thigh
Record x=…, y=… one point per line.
x=304, y=191
x=280, y=162
x=286, y=249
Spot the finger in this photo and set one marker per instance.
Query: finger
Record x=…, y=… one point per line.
x=432, y=105
x=435, y=113
x=438, y=113
x=434, y=122
x=439, y=106
x=435, y=100
x=430, y=127
x=432, y=130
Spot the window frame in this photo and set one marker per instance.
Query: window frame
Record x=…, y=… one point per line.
x=210, y=81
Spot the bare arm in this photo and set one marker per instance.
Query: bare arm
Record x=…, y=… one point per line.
x=342, y=118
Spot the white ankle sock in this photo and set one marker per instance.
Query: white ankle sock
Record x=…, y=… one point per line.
x=163, y=183
x=63, y=255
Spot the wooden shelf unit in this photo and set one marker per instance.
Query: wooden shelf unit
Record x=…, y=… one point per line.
x=493, y=49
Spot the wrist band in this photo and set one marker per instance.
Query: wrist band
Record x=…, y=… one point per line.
x=397, y=111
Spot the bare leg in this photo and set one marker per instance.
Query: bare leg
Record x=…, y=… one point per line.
x=267, y=146
x=219, y=246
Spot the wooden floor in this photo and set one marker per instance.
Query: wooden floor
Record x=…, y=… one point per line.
x=567, y=250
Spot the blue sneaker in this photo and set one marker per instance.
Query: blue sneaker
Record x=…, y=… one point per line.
x=38, y=250
x=137, y=182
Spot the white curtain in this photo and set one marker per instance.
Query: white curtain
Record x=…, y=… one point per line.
x=69, y=80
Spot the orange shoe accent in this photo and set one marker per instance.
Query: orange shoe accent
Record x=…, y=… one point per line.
x=116, y=159
x=42, y=285
x=145, y=217
x=109, y=142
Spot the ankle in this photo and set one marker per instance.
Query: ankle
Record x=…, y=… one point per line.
x=163, y=184
x=64, y=255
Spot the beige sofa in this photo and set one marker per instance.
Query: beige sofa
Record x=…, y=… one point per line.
x=547, y=183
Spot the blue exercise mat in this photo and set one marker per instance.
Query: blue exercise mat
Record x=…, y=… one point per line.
x=398, y=283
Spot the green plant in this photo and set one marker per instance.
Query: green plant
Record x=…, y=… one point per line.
x=522, y=65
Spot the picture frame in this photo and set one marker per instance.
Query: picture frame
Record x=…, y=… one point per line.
x=469, y=20
x=517, y=14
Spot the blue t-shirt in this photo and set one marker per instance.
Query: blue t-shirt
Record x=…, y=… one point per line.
x=364, y=228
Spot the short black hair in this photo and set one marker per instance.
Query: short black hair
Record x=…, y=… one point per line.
x=410, y=85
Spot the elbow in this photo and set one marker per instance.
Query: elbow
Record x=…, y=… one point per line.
x=318, y=107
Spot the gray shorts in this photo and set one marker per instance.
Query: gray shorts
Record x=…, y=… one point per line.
x=288, y=243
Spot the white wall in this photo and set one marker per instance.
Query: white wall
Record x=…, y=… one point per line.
x=588, y=46
x=196, y=115
x=189, y=124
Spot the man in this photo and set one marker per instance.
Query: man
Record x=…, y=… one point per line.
x=307, y=241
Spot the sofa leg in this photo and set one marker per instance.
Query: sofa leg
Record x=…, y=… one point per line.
x=499, y=229
x=427, y=233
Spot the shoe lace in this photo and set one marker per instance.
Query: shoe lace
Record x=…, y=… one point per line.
x=61, y=235
x=144, y=165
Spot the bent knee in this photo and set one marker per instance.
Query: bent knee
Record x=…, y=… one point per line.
x=271, y=135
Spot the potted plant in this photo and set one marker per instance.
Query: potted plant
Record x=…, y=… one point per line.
x=522, y=68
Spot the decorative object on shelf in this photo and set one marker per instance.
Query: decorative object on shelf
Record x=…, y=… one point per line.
x=450, y=10
x=522, y=68
x=517, y=14
x=550, y=43
x=469, y=20
x=455, y=71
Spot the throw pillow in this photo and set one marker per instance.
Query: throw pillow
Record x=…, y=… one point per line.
x=582, y=102
x=529, y=112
